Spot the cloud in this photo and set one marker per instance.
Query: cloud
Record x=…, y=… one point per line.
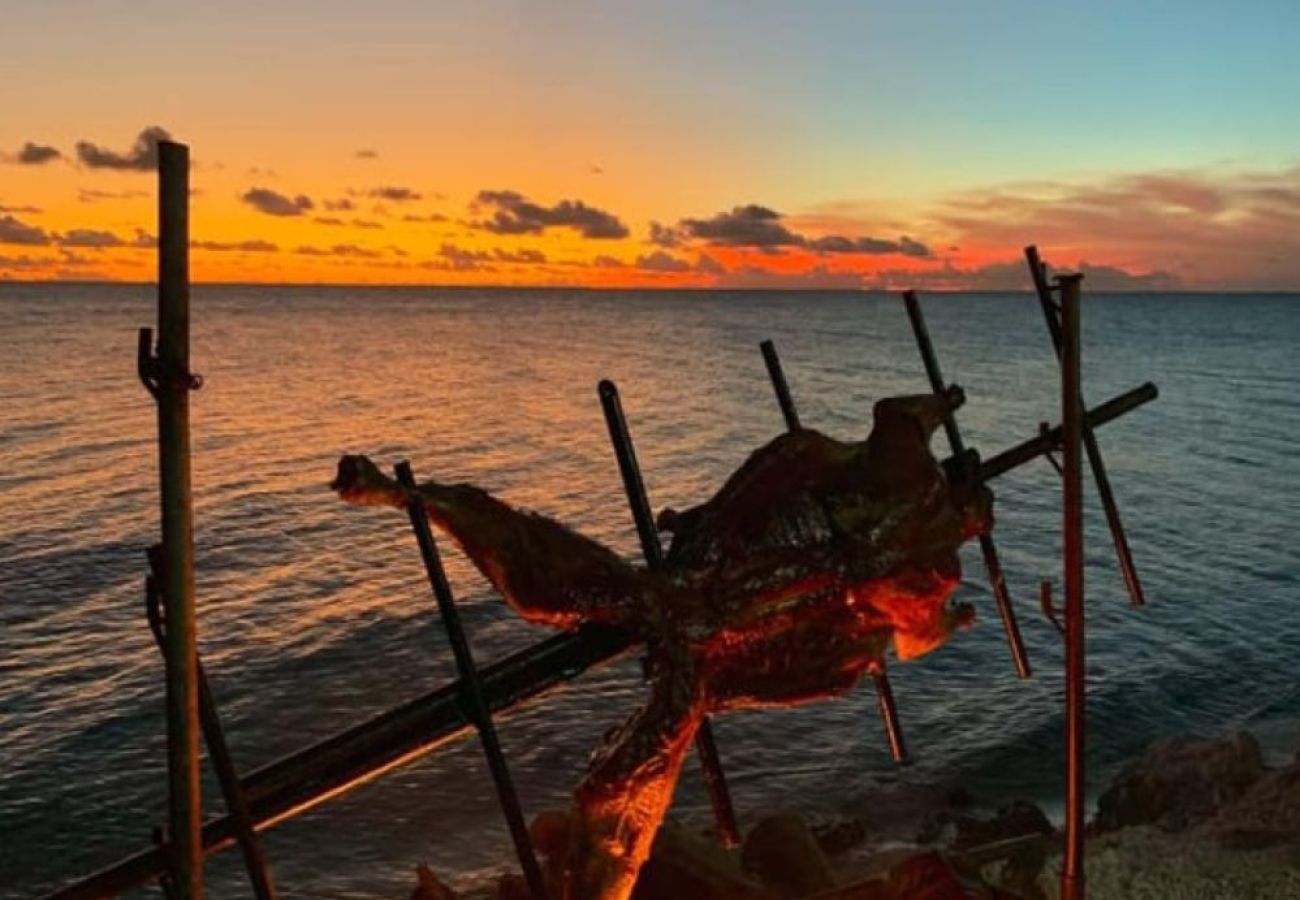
x=515, y=214
x=142, y=157
x=343, y=204
x=1211, y=228
x=659, y=261
x=90, y=239
x=249, y=246
x=707, y=265
x=88, y=195
x=366, y=154
x=869, y=245
x=431, y=217
x=23, y=210
x=32, y=154
x=664, y=236
x=348, y=250
x=762, y=228
x=744, y=226
x=607, y=262
x=273, y=203
x=394, y=194
x=366, y=223
x=13, y=231
x=1012, y=275
x=462, y=260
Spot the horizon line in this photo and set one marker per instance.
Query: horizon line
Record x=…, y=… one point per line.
x=638, y=289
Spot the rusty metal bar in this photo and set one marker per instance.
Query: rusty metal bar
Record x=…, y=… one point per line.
x=779, y=384
x=259, y=874
x=880, y=680
x=356, y=756
x=471, y=688
x=706, y=746
x=992, y=565
x=1038, y=270
x=173, y=384
x=1072, y=875
x=1050, y=439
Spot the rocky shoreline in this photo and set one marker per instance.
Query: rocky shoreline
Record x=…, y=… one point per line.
x=1191, y=819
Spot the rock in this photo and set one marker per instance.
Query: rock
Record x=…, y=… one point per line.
x=1180, y=782
x=923, y=876
x=428, y=887
x=782, y=852
x=838, y=835
x=683, y=865
x=1266, y=815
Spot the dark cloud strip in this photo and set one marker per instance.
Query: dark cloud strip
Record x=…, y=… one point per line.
x=761, y=228
x=515, y=214
x=273, y=203
x=142, y=157
x=32, y=154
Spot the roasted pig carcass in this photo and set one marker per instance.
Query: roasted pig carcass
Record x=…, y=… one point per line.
x=787, y=586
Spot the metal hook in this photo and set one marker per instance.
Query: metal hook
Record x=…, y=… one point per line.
x=1049, y=609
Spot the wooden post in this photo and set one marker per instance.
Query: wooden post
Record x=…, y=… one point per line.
x=173, y=388
x=1072, y=877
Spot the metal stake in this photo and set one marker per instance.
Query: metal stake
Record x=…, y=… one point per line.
x=1050, y=311
x=231, y=790
x=1072, y=876
x=169, y=380
x=884, y=691
x=724, y=813
x=471, y=688
x=992, y=565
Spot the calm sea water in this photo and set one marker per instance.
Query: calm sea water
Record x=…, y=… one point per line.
x=314, y=615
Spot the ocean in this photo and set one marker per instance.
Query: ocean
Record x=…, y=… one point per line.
x=314, y=615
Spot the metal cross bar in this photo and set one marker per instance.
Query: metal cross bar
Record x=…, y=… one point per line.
x=1072, y=879
x=992, y=565
x=232, y=791
x=356, y=756
x=884, y=691
x=476, y=705
x=1052, y=313
x=706, y=746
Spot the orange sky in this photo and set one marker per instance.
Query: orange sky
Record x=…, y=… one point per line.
x=872, y=145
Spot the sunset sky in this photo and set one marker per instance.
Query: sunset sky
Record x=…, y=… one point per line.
x=729, y=144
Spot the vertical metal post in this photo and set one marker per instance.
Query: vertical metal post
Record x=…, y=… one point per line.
x=476, y=707
x=992, y=564
x=1072, y=875
x=884, y=691
x=706, y=746
x=174, y=383
x=1038, y=270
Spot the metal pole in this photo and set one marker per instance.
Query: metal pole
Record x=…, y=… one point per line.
x=992, y=565
x=471, y=686
x=706, y=746
x=173, y=387
x=1072, y=876
x=880, y=680
x=1136, y=596
x=232, y=791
